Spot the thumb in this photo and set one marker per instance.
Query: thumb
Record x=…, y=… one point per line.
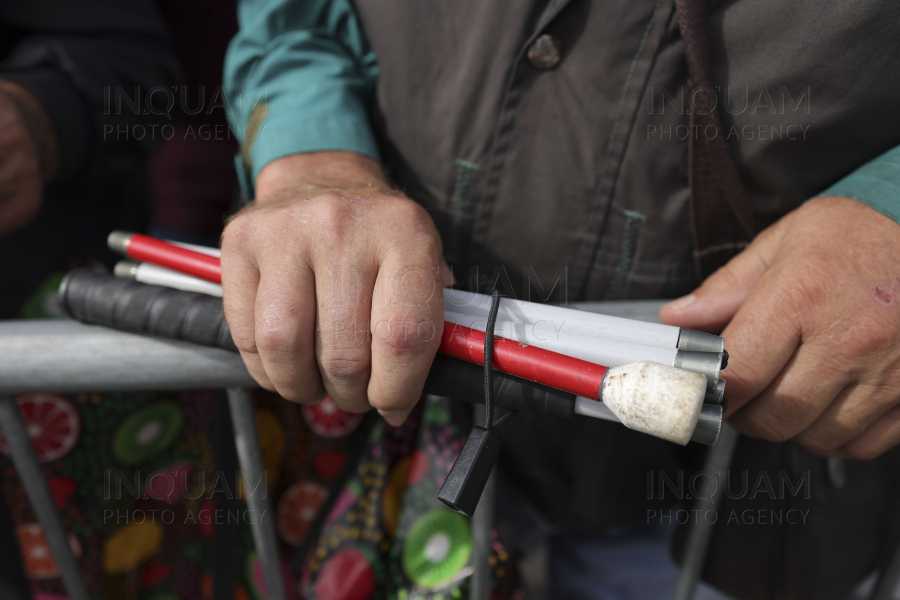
x=712, y=305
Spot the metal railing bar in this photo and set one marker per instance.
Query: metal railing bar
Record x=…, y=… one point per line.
x=482, y=523
x=889, y=581
x=28, y=467
x=700, y=532
x=250, y=459
x=68, y=356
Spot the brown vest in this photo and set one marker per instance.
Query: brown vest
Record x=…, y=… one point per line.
x=574, y=182
x=578, y=174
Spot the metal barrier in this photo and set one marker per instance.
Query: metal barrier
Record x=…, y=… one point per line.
x=66, y=356
x=699, y=536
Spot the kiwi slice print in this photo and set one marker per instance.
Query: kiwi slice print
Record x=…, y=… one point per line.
x=147, y=432
x=437, y=548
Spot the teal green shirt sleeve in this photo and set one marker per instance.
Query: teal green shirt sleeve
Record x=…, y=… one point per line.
x=299, y=76
x=875, y=184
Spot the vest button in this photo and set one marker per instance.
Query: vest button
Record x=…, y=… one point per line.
x=545, y=52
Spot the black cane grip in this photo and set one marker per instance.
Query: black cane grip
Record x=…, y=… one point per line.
x=128, y=305
x=464, y=381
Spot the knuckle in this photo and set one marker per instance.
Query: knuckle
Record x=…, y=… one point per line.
x=412, y=229
x=809, y=286
x=404, y=337
x=417, y=222
x=403, y=343
x=871, y=333
x=841, y=428
x=345, y=367
x=277, y=340
x=236, y=232
x=332, y=212
x=407, y=211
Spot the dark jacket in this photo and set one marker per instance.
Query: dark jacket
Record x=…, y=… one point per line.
x=93, y=65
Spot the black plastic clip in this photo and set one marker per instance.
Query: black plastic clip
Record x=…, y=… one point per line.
x=464, y=484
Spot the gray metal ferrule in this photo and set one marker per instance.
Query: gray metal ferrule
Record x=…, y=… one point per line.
x=708, y=425
x=716, y=396
x=705, y=363
x=697, y=341
x=118, y=241
x=603, y=385
x=126, y=269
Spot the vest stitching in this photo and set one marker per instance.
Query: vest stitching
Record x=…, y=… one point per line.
x=612, y=136
x=664, y=264
x=649, y=276
x=489, y=209
x=460, y=206
x=626, y=253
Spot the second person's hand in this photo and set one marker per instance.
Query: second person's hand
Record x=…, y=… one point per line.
x=29, y=155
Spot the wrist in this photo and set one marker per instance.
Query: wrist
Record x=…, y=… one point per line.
x=40, y=128
x=319, y=171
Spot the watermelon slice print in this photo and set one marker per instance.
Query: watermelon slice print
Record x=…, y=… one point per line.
x=297, y=508
x=328, y=421
x=52, y=424
x=347, y=575
x=45, y=596
x=62, y=489
x=37, y=558
x=170, y=483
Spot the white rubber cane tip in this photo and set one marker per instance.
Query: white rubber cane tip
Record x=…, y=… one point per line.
x=652, y=398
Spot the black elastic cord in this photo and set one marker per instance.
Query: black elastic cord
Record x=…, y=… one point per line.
x=503, y=420
x=489, y=361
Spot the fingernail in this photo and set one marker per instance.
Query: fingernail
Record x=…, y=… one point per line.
x=394, y=418
x=682, y=302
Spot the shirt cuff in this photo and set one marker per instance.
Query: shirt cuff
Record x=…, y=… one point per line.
x=285, y=131
x=68, y=111
x=876, y=184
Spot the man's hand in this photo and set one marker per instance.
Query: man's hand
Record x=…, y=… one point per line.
x=29, y=155
x=333, y=285
x=812, y=309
